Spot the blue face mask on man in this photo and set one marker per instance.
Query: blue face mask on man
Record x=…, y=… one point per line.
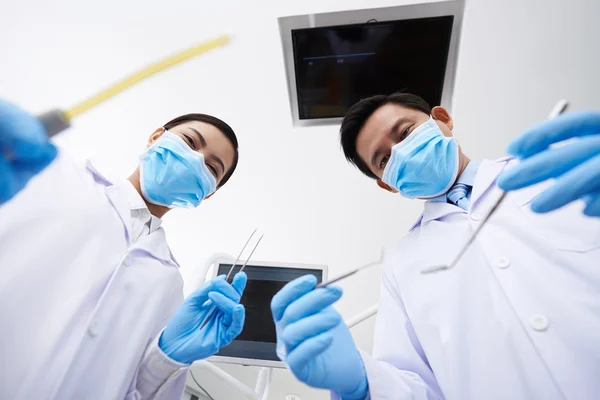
x=174, y=175
x=425, y=164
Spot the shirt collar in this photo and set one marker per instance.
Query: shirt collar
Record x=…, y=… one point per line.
x=468, y=175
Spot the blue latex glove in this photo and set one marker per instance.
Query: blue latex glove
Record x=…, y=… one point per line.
x=24, y=149
x=320, y=349
x=576, y=165
x=184, y=341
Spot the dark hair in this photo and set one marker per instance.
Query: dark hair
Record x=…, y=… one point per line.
x=220, y=125
x=359, y=114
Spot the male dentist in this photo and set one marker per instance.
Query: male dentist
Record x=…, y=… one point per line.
x=517, y=318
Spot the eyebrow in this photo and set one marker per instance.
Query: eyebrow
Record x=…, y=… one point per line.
x=393, y=129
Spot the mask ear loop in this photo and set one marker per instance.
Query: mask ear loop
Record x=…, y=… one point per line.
x=145, y=194
x=207, y=174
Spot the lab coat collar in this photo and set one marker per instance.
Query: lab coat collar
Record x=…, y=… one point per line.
x=119, y=203
x=434, y=210
x=98, y=177
x=154, y=244
x=486, y=176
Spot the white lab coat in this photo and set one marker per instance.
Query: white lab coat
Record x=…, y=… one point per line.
x=517, y=318
x=80, y=308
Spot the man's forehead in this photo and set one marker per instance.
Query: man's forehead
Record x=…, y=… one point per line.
x=388, y=114
x=378, y=124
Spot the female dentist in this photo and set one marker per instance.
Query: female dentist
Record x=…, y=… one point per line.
x=88, y=281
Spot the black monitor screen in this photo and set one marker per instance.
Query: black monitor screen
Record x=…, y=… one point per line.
x=258, y=339
x=338, y=66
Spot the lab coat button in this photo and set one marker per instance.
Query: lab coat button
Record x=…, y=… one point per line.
x=502, y=262
x=476, y=217
x=94, y=328
x=539, y=322
x=127, y=261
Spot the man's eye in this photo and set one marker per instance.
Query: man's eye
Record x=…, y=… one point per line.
x=190, y=141
x=383, y=161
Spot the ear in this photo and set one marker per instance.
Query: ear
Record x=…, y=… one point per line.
x=385, y=186
x=155, y=136
x=442, y=115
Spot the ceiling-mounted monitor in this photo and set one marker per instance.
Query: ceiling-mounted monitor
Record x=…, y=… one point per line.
x=337, y=59
x=340, y=65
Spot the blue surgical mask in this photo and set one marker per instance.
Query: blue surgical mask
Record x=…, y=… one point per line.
x=424, y=165
x=174, y=175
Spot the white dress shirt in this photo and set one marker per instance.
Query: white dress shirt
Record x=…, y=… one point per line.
x=88, y=282
x=517, y=318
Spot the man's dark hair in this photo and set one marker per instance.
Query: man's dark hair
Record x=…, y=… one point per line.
x=359, y=114
x=220, y=125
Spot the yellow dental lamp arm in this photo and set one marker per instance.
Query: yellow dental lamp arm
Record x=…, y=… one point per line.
x=56, y=121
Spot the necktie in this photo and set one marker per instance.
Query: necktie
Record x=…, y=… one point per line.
x=458, y=195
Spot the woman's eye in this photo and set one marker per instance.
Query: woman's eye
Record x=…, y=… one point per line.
x=213, y=170
x=405, y=133
x=383, y=161
x=190, y=141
